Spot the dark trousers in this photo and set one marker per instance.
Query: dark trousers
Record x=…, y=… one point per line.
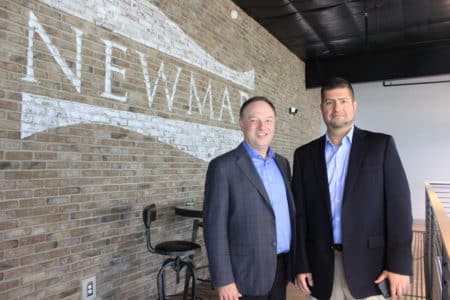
x=278, y=290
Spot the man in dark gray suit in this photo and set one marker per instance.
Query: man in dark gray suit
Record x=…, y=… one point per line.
x=249, y=219
x=352, y=196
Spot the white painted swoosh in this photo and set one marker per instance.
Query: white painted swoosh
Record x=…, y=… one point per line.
x=40, y=113
x=150, y=26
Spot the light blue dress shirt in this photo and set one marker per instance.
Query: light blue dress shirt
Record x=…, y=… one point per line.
x=276, y=190
x=336, y=158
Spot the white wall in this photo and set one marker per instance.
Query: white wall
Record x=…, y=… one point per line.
x=418, y=118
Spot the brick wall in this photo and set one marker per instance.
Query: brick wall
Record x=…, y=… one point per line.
x=107, y=106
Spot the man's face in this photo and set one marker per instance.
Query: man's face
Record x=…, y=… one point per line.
x=338, y=108
x=258, y=126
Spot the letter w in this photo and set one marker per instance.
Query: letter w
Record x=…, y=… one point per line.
x=161, y=74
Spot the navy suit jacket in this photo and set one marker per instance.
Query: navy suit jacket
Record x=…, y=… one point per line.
x=376, y=214
x=239, y=223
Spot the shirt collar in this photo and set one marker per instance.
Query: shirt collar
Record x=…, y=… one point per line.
x=254, y=154
x=348, y=137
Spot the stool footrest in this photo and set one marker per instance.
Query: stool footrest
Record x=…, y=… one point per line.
x=177, y=264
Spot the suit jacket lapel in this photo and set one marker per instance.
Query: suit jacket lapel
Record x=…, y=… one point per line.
x=285, y=172
x=321, y=173
x=244, y=162
x=357, y=153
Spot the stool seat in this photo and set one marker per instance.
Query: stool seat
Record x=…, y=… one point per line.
x=177, y=248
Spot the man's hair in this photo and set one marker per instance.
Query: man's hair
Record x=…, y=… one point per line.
x=254, y=99
x=333, y=83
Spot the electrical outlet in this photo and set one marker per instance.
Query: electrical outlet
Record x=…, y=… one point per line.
x=88, y=289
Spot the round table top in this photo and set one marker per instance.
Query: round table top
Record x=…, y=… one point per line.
x=190, y=209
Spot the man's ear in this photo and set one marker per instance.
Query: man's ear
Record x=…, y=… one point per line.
x=241, y=124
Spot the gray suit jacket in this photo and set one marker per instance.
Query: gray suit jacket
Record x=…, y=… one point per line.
x=239, y=223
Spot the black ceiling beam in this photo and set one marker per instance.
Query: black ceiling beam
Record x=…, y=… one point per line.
x=382, y=65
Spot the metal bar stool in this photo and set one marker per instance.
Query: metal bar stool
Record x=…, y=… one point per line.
x=175, y=249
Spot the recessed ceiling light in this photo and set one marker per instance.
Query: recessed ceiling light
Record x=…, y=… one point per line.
x=234, y=14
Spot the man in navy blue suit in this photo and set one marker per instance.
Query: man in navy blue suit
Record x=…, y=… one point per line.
x=249, y=219
x=354, y=226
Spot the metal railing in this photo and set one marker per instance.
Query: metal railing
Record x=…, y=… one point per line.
x=437, y=240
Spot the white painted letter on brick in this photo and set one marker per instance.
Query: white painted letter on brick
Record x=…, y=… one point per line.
x=109, y=69
x=34, y=25
x=150, y=92
x=200, y=105
x=226, y=96
x=162, y=74
x=243, y=97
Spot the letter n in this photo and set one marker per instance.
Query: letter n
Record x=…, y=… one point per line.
x=35, y=26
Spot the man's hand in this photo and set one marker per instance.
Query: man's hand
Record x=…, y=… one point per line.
x=304, y=281
x=399, y=283
x=229, y=292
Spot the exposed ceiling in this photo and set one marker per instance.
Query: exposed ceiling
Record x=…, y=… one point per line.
x=361, y=40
